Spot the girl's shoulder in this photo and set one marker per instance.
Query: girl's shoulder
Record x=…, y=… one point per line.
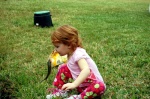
x=79, y=53
x=79, y=50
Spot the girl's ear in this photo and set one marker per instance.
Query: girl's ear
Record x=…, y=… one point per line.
x=69, y=46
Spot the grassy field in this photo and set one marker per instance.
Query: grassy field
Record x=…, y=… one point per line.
x=115, y=34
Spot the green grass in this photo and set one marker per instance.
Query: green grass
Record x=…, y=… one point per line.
x=115, y=33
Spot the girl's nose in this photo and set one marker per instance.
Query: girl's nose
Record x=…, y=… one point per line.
x=55, y=50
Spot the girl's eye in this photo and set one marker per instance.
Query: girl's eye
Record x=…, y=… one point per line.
x=56, y=46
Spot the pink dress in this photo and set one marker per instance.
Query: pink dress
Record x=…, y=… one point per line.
x=72, y=64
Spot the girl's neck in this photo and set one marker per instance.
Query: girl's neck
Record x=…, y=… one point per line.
x=70, y=54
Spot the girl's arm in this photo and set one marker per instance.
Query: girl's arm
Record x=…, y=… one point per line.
x=85, y=71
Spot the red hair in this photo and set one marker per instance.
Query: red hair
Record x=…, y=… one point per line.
x=67, y=35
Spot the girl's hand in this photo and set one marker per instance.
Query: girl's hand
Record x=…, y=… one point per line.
x=68, y=86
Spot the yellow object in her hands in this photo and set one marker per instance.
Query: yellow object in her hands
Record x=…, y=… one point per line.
x=56, y=59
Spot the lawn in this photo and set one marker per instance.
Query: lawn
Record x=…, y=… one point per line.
x=115, y=33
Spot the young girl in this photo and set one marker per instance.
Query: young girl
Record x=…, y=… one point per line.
x=80, y=72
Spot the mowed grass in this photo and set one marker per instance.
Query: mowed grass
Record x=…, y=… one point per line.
x=115, y=33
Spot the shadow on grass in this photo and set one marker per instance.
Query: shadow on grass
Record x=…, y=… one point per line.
x=7, y=87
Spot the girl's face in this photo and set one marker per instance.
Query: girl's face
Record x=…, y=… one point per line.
x=62, y=49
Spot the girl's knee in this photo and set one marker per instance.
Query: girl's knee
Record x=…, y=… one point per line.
x=99, y=87
x=94, y=90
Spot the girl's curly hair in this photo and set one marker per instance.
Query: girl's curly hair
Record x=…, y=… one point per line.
x=67, y=35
